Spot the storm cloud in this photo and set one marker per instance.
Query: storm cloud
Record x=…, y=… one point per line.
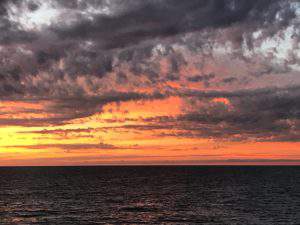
x=78, y=56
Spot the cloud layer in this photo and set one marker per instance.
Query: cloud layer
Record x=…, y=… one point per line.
x=74, y=57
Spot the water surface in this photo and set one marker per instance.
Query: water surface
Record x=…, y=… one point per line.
x=150, y=195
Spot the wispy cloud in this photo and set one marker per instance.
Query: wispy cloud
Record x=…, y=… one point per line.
x=69, y=147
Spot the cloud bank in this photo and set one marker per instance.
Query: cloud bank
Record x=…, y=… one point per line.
x=77, y=56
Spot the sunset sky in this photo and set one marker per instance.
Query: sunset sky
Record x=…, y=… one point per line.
x=97, y=82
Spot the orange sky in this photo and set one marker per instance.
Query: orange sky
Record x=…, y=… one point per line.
x=149, y=82
x=117, y=136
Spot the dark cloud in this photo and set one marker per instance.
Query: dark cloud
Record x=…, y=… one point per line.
x=273, y=116
x=205, y=79
x=229, y=80
x=63, y=110
x=140, y=21
x=32, y=6
x=59, y=131
x=259, y=115
x=79, y=61
x=201, y=78
x=11, y=32
x=69, y=147
x=85, y=39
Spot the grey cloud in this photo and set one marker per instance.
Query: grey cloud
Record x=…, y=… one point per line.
x=205, y=79
x=258, y=115
x=229, y=80
x=200, y=78
x=72, y=61
x=129, y=23
x=59, y=131
x=69, y=147
x=263, y=117
x=151, y=19
x=64, y=110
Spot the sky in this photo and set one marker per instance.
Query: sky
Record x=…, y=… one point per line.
x=113, y=82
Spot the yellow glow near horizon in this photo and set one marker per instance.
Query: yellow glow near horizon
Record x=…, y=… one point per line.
x=50, y=145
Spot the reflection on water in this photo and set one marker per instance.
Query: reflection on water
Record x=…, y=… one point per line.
x=154, y=195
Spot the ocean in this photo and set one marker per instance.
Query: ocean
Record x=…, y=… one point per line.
x=150, y=195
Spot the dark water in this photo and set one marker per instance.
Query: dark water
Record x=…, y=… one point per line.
x=150, y=195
